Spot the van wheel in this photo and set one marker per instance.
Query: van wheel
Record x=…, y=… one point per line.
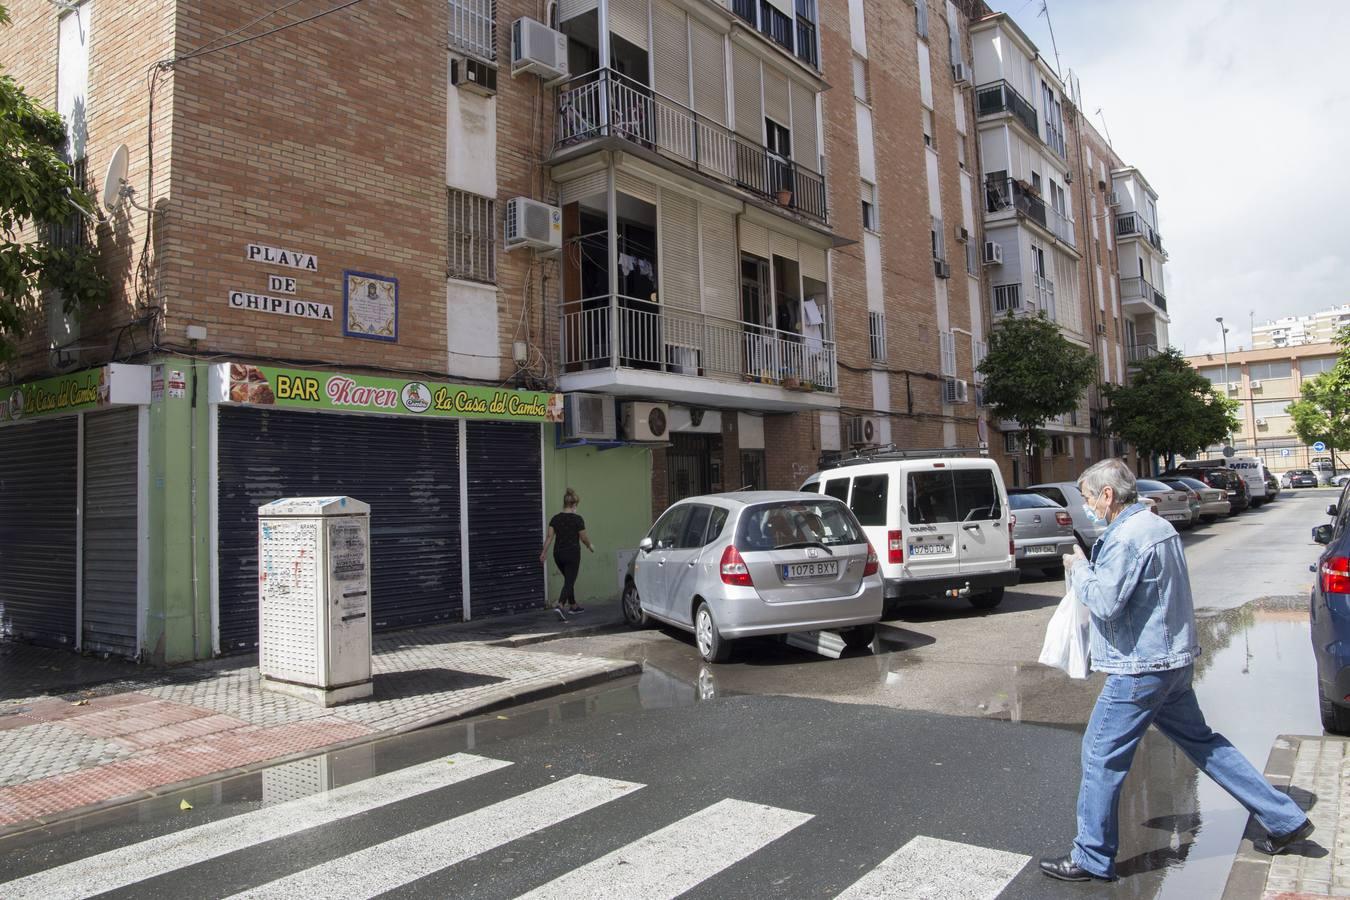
x=711, y=645
x=987, y=600
x=632, y=606
x=859, y=637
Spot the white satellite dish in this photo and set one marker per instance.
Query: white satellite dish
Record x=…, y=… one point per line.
x=115, y=180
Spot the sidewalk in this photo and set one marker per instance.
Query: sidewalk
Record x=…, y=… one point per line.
x=80, y=734
x=1315, y=771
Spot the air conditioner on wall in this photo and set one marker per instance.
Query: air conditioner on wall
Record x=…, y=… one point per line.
x=530, y=223
x=963, y=234
x=1113, y=199
x=644, y=421
x=955, y=390
x=863, y=430
x=473, y=75
x=941, y=269
x=1256, y=385
x=993, y=253
x=960, y=72
x=588, y=417
x=1260, y=423
x=1101, y=328
x=538, y=49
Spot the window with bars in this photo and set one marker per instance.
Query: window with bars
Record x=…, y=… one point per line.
x=806, y=32
x=473, y=27
x=473, y=248
x=947, y=347
x=876, y=332
x=73, y=231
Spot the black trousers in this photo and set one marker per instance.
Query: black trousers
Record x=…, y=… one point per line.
x=569, y=563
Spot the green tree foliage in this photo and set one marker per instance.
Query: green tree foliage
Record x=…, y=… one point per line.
x=1322, y=412
x=1032, y=373
x=36, y=187
x=1168, y=409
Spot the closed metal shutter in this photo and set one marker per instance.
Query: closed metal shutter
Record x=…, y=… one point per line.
x=406, y=469
x=628, y=20
x=110, y=538
x=670, y=51
x=721, y=271
x=776, y=103
x=746, y=88
x=679, y=251
x=804, y=150
x=505, y=515
x=39, y=484
x=710, y=72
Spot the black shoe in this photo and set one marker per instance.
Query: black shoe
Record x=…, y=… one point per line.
x=1273, y=845
x=1065, y=869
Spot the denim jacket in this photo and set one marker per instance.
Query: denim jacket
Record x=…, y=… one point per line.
x=1138, y=591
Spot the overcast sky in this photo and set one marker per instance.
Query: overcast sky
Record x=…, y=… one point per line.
x=1239, y=118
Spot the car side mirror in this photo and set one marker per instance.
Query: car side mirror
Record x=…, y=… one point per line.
x=1322, y=534
x=1333, y=510
x=645, y=545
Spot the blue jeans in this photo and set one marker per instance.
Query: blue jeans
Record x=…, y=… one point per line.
x=1128, y=704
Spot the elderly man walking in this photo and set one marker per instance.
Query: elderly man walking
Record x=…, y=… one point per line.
x=1143, y=637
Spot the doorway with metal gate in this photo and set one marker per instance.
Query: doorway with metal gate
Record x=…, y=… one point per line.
x=693, y=465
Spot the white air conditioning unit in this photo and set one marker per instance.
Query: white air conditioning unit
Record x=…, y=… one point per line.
x=993, y=253
x=941, y=269
x=963, y=234
x=863, y=430
x=1260, y=423
x=538, y=49
x=1101, y=328
x=960, y=72
x=1113, y=199
x=530, y=223
x=955, y=390
x=1068, y=177
x=588, y=417
x=645, y=421
x=1256, y=385
x=1234, y=385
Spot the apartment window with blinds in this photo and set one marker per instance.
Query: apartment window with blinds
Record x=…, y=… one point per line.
x=869, y=206
x=876, y=332
x=947, y=344
x=921, y=17
x=806, y=32
x=860, y=79
x=473, y=248
x=473, y=27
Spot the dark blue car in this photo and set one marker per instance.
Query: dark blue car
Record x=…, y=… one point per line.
x=1331, y=617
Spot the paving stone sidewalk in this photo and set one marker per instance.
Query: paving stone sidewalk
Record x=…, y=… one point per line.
x=1315, y=771
x=73, y=747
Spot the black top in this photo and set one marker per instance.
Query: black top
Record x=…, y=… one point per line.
x=567, y=527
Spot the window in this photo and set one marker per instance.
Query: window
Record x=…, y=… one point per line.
x=696, y=526
x=869, y=499
x=972, y=258
x=869, y=206
x=1059, y=445
x=71, y=233
x=961, y=150
x=860, y=79
x=473, y=250
x=752, y=471
x=1215, y=373
x=1036, y=183
x=928, y=127
x=962, y=495
x=770, y=525
x=779, y=139
x=473, y=27
x=745, y=9
x=837, y=488
x=806, y=32
x=939, y=239
x=1037, y=261
x=1309, y=368
x=775, y=26
x=876, y=332
x=666, y=532
x=1267, y=370
x=1269, y=409
x=921, y=18
x=1012, y=442
x=947, y=353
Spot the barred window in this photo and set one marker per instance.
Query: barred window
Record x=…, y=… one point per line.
x=473, y=250
x=473, y=27
x=74, y=231
x=876, y=330
x=947, y=346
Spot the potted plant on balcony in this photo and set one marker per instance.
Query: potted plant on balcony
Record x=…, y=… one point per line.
x=792, y=383
x=784, y=196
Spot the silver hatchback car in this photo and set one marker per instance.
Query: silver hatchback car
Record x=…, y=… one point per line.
x=728, y=566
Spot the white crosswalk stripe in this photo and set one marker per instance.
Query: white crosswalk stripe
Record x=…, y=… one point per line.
x=668, y=862
x=404, y=859
x=157, y=856
x=930, y=869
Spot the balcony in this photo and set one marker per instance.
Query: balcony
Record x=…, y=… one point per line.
x=605, y=104
x=1137, y=353
x=1133, y=224
x=1002, y=193
x=997, y=97
x=688, y=356
x=1061, y=225
x=1136, y=292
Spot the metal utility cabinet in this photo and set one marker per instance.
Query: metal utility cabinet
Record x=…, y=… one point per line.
x=314, y=598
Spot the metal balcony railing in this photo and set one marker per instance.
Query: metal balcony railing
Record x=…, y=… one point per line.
x=1137, y=353
x=1133, y=224
x=1137, y=288
x=1000, y=97
x=1061, y=225
x=627, y=332
x=605, y=103
x=1001, y=193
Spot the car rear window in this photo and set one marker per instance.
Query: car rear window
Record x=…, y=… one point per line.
x=954, y=495
x=1029, y=501
x=1054, y=494
x=797, y=522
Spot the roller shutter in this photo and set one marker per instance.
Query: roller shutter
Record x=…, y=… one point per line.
x=721, y=274
x=776, y=103
x=628, y=19
x=590, y=185
x=746, y=78
x=38, y=497
x=570, y=9
x=710, y=72
x=406, y=469
x=670, y=51
x=804, y=149
x=110, y=536
x=679, y=251
x=505, y=517
x=633, y=186
x=754, y=240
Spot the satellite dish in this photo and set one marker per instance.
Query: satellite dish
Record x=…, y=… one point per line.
x=115, y=179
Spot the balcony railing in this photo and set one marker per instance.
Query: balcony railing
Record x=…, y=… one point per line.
x=682, y=342
x=1061, y=225
x=604, y=103
x=1133, y=224
x=1137, y=353
x=1001, y=193
x=1000, y=97
x=1136, y=288
x=1159, y=300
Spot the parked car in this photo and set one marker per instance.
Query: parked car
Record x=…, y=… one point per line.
x=1042, y=533
x=1067, y=495
x=728, y=566
x=1330, y=616
x=1234, y=487
x=1341, y=480
x=1173, y=505
x=1302, y=478
x=1321, y=466
x=1272, y=485
x=1192, y=498
x=940, y=520
x=1213, y=501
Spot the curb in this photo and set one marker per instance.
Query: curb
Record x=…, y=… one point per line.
x=524, y=640
x=1247, y=878
x=614, y=671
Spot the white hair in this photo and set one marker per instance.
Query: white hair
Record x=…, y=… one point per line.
x=1112, y=473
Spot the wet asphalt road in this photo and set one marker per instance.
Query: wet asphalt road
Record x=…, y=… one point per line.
x=950, y=731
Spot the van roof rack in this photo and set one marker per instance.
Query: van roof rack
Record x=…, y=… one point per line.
x=858, y=457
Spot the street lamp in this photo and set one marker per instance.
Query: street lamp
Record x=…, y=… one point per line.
x=1224, y=334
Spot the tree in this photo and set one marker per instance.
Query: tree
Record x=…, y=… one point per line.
x=1322, y=412
x=36, y=188
x=1032, y=373
x=1168, y=409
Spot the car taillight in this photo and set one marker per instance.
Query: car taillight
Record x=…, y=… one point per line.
x=1063, y=518
x=895, y=547
x=1336, y=575
x=872, y=562
x=1012, y=523
x=734, y=570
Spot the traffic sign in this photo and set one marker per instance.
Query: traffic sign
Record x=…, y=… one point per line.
x=1284, y=452
x=1320, y=447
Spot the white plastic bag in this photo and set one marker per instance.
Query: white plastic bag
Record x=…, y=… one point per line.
x=1066, y=637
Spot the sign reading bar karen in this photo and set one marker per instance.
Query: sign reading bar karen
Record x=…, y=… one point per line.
x=356, y=393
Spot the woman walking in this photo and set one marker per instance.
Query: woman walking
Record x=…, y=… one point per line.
x=570, y=531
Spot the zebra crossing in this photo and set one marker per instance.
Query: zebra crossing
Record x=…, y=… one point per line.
x=664, y=863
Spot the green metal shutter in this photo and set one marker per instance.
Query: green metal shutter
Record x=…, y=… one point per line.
x=110, y=546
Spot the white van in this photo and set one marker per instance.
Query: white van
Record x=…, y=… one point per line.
x=1252, y=470
x=938, y=519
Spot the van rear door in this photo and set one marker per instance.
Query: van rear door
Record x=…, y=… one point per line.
x=984, y=520
x=931, y=527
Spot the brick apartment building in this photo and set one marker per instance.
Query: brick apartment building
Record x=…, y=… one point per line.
x=379, y=252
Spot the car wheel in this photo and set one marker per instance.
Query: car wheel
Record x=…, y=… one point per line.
x=1053, y=572
x=1335, y=719
x=632, y=606
x=859, y=637
x=711, y=645
x=987, y=600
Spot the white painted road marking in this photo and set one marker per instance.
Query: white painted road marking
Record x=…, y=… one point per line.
x=147, y=859
x=404, y=859
x=668, y=862
x=930, y=869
